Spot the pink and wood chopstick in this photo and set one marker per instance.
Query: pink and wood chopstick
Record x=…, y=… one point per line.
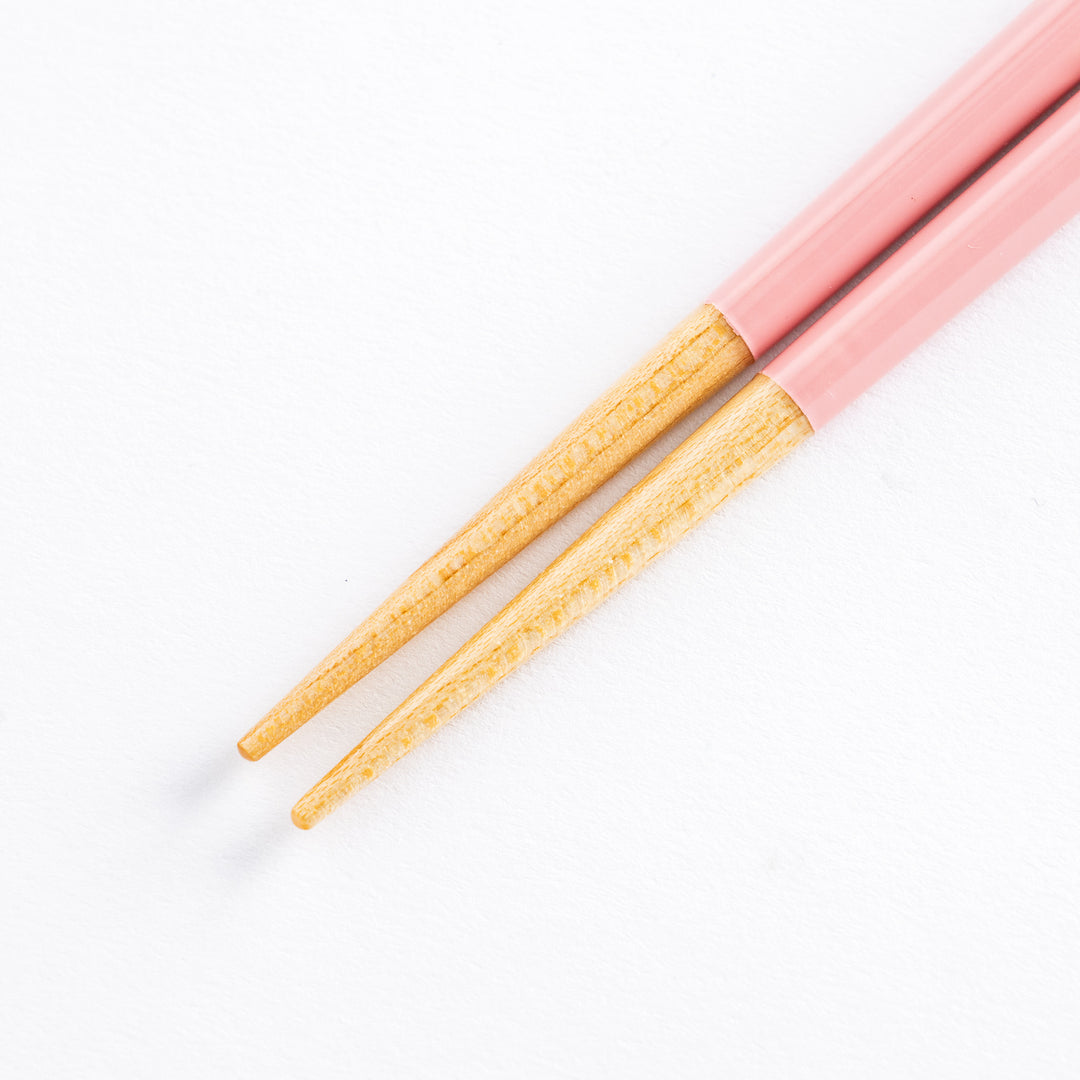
x=1015, y=206
x=975, y=114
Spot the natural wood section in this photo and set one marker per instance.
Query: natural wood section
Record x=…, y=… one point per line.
x=695, y=360
x=756, y=428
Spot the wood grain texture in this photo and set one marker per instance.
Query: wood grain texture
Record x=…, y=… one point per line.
x=696, y=359
x=756, y=428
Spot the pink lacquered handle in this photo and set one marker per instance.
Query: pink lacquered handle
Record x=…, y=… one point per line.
x=1028, y=67
x=1022, y=200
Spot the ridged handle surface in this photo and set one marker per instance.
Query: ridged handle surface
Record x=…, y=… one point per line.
x=1028, y=67
x=1003, y=216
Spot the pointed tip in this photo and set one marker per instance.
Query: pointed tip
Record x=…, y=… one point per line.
x=249, y=751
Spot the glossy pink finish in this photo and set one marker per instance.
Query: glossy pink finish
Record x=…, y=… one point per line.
x=1022, y=200
x=1028, y=67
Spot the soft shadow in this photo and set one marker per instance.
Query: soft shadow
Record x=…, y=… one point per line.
x=202, y=781
x=246, y=858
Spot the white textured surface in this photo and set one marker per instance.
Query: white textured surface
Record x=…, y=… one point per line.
x=288, y=290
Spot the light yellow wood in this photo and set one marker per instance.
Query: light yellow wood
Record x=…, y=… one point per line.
x=756, y=428
x=696, y=359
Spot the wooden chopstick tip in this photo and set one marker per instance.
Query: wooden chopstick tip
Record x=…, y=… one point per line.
x=249, y=751
x=346, y=778
x=312, y=808
x=280, y=722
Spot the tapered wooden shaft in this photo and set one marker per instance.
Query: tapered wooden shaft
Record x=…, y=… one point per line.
x=695, y=360
x=756, y=428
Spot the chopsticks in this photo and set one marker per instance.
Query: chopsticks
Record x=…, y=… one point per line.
x=987, y=228
x=1003, y=216
x=976, y=113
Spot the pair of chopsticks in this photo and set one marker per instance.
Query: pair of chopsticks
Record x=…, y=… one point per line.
x=998, y=219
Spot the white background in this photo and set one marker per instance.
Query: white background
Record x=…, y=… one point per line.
x=288, y=291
